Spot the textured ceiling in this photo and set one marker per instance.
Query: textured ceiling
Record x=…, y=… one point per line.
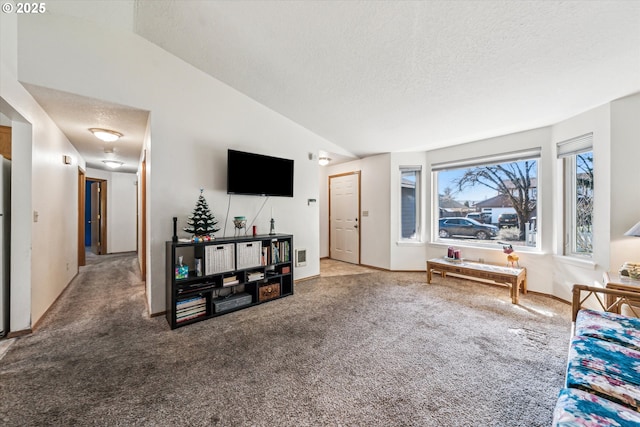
x=376, y=76
x=75, y=114
x=380, y=76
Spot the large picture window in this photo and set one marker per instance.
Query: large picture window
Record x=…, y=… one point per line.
x=577, y=158
x=488, y=200
x=410, y=203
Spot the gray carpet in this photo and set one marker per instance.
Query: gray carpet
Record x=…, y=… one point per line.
x=371, y=349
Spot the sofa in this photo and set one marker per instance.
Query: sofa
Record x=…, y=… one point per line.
x=602, y=385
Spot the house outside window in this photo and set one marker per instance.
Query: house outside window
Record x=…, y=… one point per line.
x=576, y=156
x=410, y=203
x=498, y=194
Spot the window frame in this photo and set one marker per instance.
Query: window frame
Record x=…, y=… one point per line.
x=570, y=176
x=567, y=152
x=527, y=154
x=417, y=236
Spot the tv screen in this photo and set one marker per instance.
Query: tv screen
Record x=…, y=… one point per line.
x=256, y=174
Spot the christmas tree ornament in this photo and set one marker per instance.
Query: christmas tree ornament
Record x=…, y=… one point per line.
x=201, y=223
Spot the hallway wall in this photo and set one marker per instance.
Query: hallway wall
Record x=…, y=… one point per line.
x=121, y=209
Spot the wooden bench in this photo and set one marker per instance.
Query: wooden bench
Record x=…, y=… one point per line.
x=515, y=278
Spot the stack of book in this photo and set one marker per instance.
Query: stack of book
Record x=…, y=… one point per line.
x=191, y=308
x=231, y=280
x=255, y=275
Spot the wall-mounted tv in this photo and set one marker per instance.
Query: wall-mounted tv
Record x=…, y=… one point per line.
x=256, y=174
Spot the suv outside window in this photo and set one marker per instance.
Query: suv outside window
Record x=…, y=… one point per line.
x=483, y=217
x=508, y=220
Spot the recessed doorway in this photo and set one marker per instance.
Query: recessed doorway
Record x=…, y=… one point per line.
x=95, y=218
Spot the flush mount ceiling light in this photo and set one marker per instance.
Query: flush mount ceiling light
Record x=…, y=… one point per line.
x=323, y=161
x=105, y=135
x=113, y=164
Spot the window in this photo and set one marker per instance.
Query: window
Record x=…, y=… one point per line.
x=410, y=202
x=497, y=196
x=577, y=157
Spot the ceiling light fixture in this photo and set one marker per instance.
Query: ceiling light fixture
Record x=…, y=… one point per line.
x=105, y=135
x=113, y=164
x=323, y=161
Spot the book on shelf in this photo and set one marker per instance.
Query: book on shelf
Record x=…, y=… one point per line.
x=191, y=310
x=192, y=316
x=257, y=275
x=185, y=303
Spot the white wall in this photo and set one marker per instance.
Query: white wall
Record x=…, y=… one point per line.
x=568, y=270
x=194, y=119
x=625, y=177
x=42, y=266
x=408, y=255
x=374, y=198
x=121, y=209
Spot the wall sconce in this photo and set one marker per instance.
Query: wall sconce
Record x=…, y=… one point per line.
x=105, y=135
x=67, y=160
x=323, y=161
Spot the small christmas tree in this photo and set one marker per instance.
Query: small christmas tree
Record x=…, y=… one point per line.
x=201, y=223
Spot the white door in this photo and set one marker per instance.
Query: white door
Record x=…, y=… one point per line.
x=344, y=218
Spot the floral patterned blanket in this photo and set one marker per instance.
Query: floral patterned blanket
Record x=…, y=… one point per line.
x=603, y=373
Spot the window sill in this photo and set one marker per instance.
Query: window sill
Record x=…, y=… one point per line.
x=586, y=263
x=496, y=245
x=410, y=243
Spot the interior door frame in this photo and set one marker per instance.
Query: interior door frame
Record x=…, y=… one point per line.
x=143, y=217
x=82, y=187
x=359, y=210
x=102, y=185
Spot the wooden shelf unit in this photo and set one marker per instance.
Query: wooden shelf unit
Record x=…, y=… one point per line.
x=236, y=273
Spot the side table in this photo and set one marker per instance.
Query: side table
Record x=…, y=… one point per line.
x=622, y=283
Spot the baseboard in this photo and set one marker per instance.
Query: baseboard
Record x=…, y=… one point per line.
x=16, y=334
x=548, y=295
x=304, y=279
x=158, y=314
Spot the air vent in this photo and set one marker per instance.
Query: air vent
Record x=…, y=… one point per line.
x=301, y=257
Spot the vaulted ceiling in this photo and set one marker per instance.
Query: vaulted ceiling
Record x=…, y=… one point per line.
x=381, y=76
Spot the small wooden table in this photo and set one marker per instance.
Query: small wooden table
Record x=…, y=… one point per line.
x=515, y=278
x=621, y=283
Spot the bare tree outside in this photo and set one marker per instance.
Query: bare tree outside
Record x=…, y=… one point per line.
x=512, y=180
x=584, y=203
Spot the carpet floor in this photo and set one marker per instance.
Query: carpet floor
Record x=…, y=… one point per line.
x=369, y=349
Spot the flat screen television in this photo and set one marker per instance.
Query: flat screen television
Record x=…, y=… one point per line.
x=259, y=175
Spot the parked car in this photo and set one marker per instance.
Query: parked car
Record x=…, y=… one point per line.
x=466, y=227
x=481, y=217
x=508, y=220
